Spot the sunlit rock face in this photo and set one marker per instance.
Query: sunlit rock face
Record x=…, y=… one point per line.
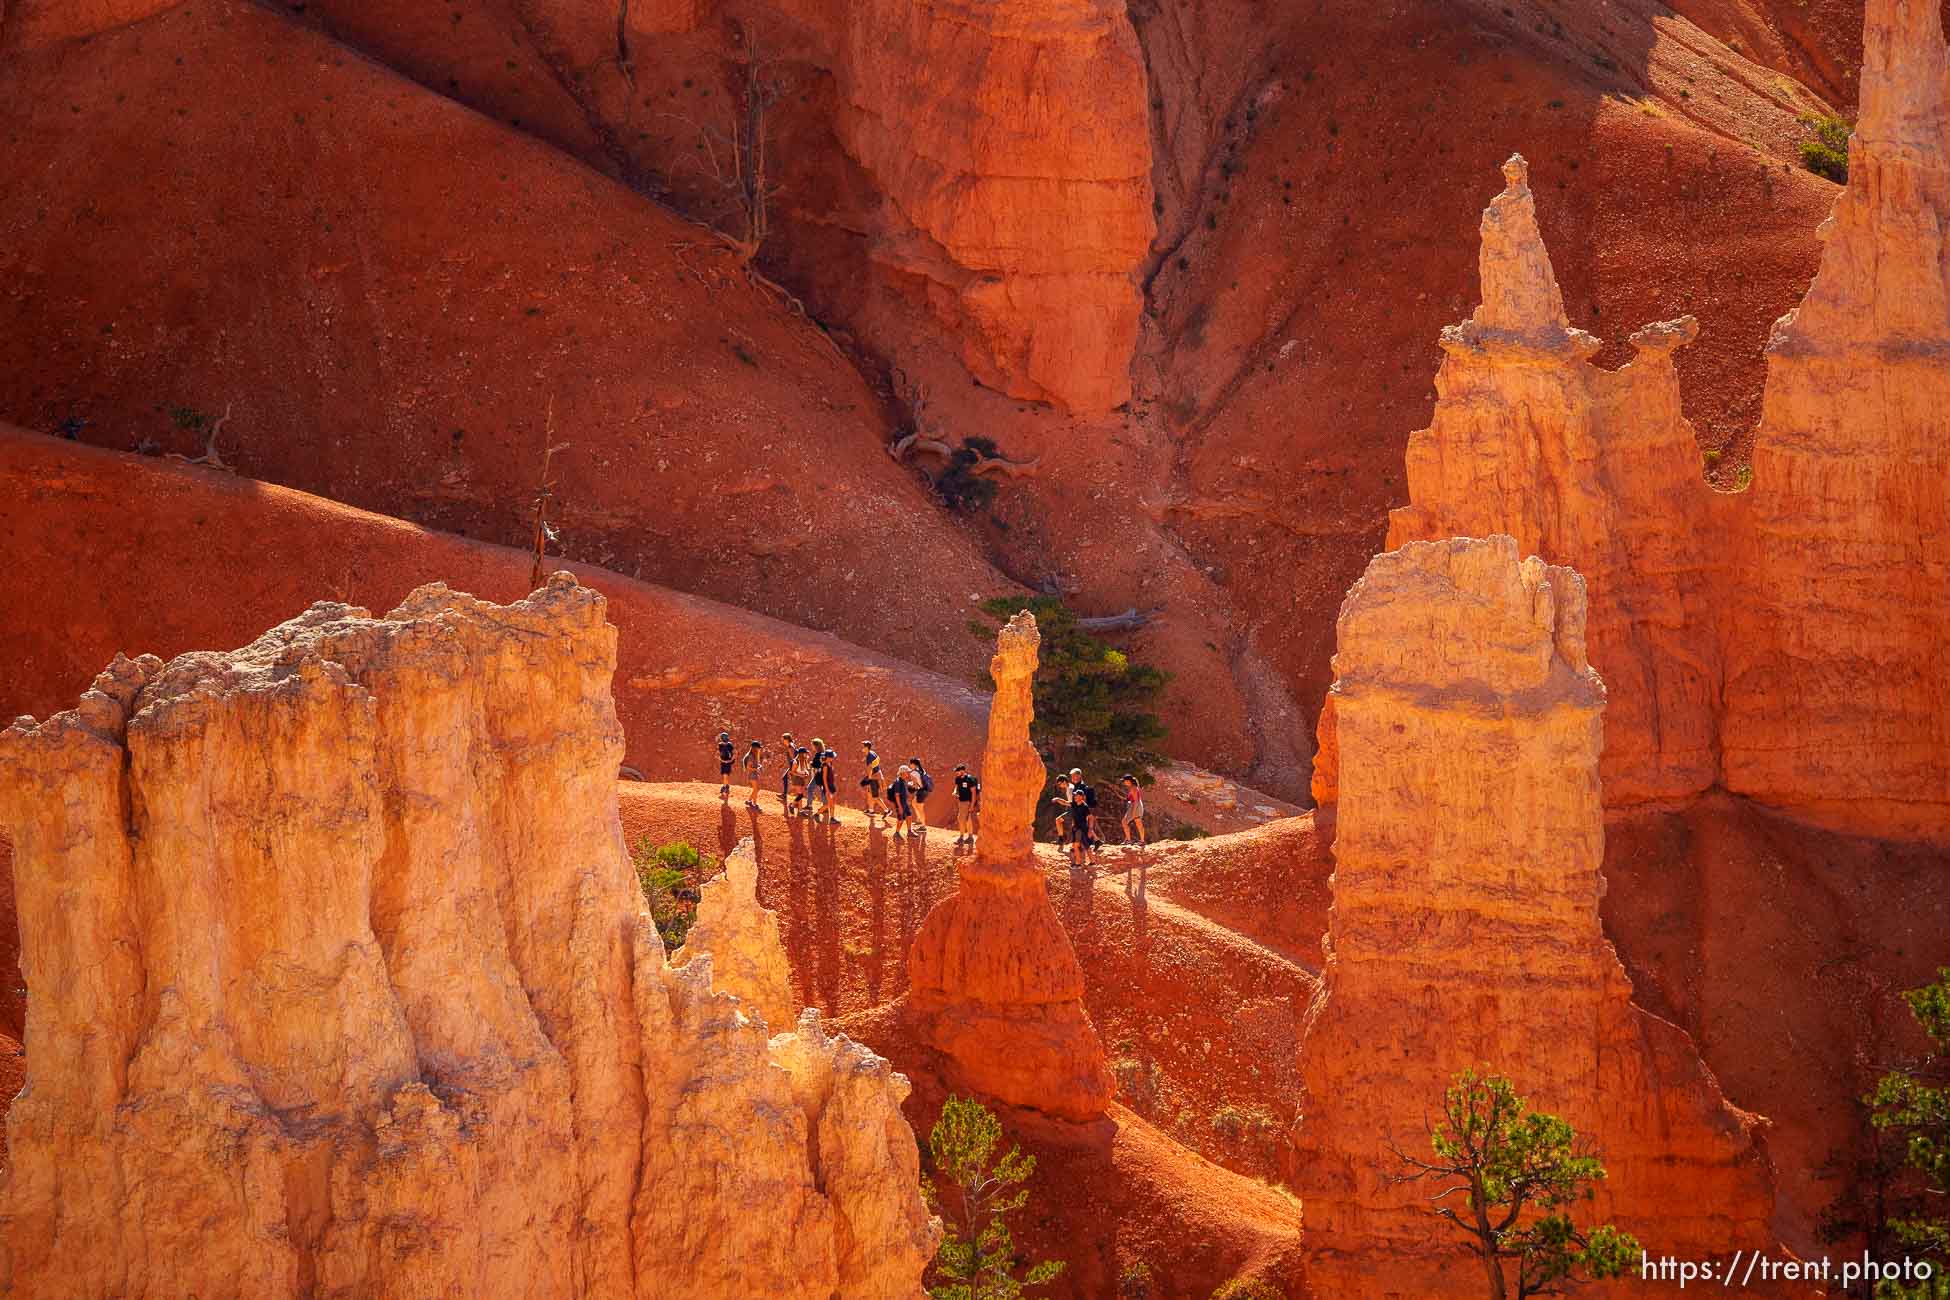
x=342, y=985
x=1837, y=687
x=993, y=979
x=1465, y=929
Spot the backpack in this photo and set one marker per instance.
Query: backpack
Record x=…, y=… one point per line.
x=927, y=783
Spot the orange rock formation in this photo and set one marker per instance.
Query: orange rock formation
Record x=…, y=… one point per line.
x=1465, y=931
x=1837, y=688
x=1013, y=143
x=992, y=976
x=341, y=984
x=1591, y=467
x=741, y=938
x=1785, y=643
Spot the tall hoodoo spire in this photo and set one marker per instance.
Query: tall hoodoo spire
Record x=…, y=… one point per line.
x=1012, y=772
x=1521, y=300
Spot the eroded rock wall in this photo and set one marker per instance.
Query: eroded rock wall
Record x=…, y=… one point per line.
x=992, y=978
x=1587, y=467
x=1012, y=141
x=1465, y=929
x=342, y=985
x=1837, y=688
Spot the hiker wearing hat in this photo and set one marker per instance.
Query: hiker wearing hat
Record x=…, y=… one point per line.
x=1088, y=814
x=871, y=803
x=754, y=762
x=968, y=803
x=726, y=752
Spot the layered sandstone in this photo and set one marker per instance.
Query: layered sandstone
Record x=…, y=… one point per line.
x=992, y=978
x=341, y=984
x=1837, y=689
x=1465, y=930
x=742, y=938
x=1591, y=468
x=1012, y=141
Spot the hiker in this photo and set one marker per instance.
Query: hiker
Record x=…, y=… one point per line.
x=1062, y=801
x=900, y=797
x=785, y=776
x=1079, y=827
x=1090, y=840
x=726, y=752
x=871, y=803
x=923, y=787
x=968, y=803
x=1133, y=809
x=801, y=771
x=754, y=762
x=829, y=792
x=816, y=781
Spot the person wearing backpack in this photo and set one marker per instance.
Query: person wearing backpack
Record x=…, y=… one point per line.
x=1090, y=840
x=817, y=803
x=900, y=799
x=923, y=788
x=726, y=752
x=829, y=773
x=754, y=762
x=968, y=802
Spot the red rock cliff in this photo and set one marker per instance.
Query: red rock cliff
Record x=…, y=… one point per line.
x=1837, y=689
x=342, y=985
x=1465, y=928
x=992, y=978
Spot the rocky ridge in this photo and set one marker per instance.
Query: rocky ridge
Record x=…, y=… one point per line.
x=342, y=985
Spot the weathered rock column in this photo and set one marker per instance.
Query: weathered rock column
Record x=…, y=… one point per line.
x=1586, y=467
x=1838, y=688
x=992, y=976
x=342, y=986
x=1465, y=928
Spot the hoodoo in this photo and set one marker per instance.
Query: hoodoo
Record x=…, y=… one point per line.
x=1586, y=467
x=1837, y=688
x=1465, y=929
x=993, y=979
x=342, y=985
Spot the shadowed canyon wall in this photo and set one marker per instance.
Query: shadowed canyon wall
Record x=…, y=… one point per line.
x=1785, y=642
x=342, y=985
x=1465, y=930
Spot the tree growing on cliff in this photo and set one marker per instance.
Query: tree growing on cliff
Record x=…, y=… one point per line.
x=1914, y=1105
x=1507, y=1176
x=1093, y=704
x=974, y=1192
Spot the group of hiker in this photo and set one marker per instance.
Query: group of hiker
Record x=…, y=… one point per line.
x=809, y=786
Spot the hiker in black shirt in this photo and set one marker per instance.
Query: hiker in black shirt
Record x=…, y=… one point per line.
x=785, y=776
x=900, y=799
x=829, y=773
x=816, y=790
x=921, y=786
x=968, y=802
x=726, y=752
x=872, y=804
x=754, y=762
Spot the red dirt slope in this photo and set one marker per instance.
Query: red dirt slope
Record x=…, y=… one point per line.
x=113, y=552
x=215, y=212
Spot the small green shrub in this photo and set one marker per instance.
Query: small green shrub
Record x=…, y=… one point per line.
x=1825, y=151
x=669, y=875
x=1234, y=1123
x=1136, y=1282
